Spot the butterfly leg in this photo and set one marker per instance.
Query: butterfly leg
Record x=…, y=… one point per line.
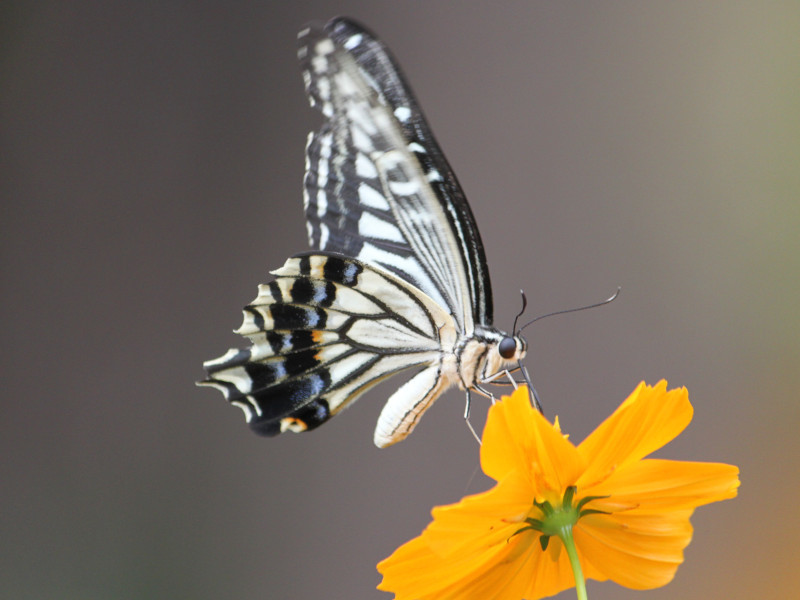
x=531, y=390
x=466, y=418
x=505, y=372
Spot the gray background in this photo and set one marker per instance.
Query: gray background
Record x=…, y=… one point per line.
x=151, y=163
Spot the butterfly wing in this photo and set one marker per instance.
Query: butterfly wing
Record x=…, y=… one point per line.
x=377, y=186
x=323, y=332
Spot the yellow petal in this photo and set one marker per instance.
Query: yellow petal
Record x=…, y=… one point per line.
x=656, y=484
x=518, y=437
x=550, y=576
x=506, y=580
x=507, y=425
x=515, y=570
x=641, y=547
x=414, y=571
x=650, y=418
x=639, y=552
x=482, y=519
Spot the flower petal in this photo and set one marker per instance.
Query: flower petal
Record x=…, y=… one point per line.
x=482, y=519
x=656, y=484
x=639, y=552
x=513, y=570
x=507, y=580
x=518, y=437
x=549, y=576
x=415, y=571
x=508, y=424
x=650, y=418
x=642, y=547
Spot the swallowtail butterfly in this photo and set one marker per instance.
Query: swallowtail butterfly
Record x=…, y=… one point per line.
x=397, y=278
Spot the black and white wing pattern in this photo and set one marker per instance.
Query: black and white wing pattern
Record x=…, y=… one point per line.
x=397, y=278
x=377, y=186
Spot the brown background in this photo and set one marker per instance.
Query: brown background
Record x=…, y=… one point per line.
x=151, y=164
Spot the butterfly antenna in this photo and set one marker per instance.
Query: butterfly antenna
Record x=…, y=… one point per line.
x=524, y=306
x=569, y=310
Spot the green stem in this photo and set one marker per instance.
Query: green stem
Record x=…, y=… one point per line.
x=565, y=534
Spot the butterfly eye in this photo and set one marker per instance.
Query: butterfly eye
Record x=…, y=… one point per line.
x=507, y=347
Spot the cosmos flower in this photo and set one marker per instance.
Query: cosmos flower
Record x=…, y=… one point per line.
x=600, y=507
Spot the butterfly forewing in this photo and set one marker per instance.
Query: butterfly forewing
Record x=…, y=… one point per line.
x=377, y=187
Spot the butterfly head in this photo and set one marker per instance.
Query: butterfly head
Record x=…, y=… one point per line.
x=509, y=346
x=512, y=348
x=507, y=350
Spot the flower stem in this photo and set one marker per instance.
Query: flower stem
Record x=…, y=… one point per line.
x=565, y=534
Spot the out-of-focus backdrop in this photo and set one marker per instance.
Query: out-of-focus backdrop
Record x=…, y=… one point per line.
x=151, y=168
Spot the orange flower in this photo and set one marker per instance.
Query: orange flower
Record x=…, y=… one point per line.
x=627, y=516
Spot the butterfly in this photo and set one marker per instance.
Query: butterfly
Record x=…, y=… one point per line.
x=397, y=279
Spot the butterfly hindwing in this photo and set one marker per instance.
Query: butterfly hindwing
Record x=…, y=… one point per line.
x=324, y=331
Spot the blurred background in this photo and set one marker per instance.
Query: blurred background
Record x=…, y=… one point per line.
x=152, y=157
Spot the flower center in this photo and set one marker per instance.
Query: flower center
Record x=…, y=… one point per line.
x=558, y=520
